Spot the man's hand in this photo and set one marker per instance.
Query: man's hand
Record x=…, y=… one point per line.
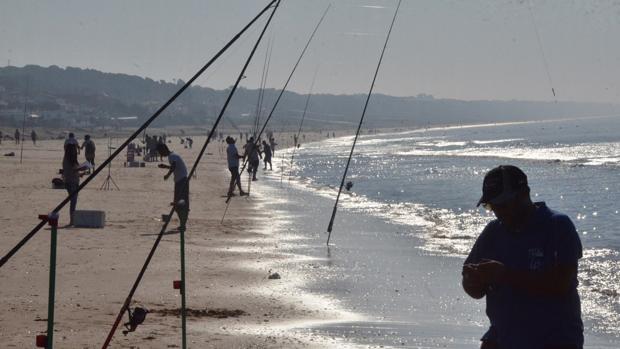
x=491, y=271
x=166, y=177
x=473, y=282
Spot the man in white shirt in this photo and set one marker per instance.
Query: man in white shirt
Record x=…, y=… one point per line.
x=181, y=183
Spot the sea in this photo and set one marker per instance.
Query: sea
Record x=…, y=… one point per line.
x=410, y=218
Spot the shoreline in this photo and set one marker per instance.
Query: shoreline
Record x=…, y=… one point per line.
x=227, y=264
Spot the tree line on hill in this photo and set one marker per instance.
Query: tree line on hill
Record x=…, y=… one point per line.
x=90, y=98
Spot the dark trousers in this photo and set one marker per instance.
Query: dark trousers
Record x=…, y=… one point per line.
x=91, y=159
x=254, y=167
x=72, y=187
x=494, y=345
x=181, y=192
x=234, y=180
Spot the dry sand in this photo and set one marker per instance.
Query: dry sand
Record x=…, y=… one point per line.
x=236, y=305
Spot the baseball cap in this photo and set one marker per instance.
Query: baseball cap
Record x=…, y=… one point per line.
x=501, y=184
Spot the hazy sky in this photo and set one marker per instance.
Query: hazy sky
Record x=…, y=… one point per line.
x=469, y=49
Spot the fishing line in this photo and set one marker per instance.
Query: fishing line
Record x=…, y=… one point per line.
x=540, y=46
x=359, y=126
x=245, y=162
x=261, y=91
x=301, y=123
x=191, y=172
x=134, y=135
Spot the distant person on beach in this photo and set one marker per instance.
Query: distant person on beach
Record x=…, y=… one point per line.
x=232, y=155
x=525, y=263
x=17, y=136
x=253, y=155
x=89, y=150
x=33, y=136
x=181, y=184
x=267, y=153
x=71, y=140
x=272, y=144
x=71, y=175
x=1, y=136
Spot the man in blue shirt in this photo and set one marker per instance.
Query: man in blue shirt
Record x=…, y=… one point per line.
x=232, y=155
x=525, y=264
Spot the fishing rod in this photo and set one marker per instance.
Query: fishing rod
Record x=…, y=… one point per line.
x=540, y=46
x=21, y=141
x=193, y=169
x=263, y=83
x=38, y=227
x=359, y=126
x=245, y=162
x=301, y=123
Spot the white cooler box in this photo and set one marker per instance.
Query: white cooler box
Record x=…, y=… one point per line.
x=89, y=219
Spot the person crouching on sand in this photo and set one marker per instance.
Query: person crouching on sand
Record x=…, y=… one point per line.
x=181, y=183
x=525, y=264
x=233, y=157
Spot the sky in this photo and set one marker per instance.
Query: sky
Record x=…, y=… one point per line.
x=466, y=49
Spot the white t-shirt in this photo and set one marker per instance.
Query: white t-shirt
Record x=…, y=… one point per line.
x=180, y=170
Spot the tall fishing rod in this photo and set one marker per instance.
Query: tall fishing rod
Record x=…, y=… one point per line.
x=245, y=162
x=301, y=124
x=263, y=83
x=21, y=141
x=359, y=126
x=38, y=227
x=540, y=46
x=193, y=169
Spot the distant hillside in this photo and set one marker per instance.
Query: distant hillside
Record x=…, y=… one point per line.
x=90, y=98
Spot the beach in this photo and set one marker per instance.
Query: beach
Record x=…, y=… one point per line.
x=233, y=303
x=389, y=279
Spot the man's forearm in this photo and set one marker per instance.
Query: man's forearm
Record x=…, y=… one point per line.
x=553, y=282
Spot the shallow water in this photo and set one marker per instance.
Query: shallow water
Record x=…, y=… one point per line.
x=424, y=185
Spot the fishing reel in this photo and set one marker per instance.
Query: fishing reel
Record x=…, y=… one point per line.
x=136, y=318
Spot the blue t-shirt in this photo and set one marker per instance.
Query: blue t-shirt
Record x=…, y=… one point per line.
x=232, y=155
x=519, y=319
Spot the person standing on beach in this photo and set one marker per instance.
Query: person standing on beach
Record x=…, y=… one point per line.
x=71, y=175
x=33, y=136
x=17, y=136
x=272, y=144
x=232, y=155
x=525, y=264
x=89, y=150
x=253, y=155
x=181, y=184
x=1, y=136
x=267, y=158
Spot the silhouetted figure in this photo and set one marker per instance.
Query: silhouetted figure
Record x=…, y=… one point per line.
x=71, y=175
x=267, y=153
x=33, y=136
x=232, y=155
x=525, y=264
x=253, y=155
x=17, y=136
x=1, y=136
x=89, y=150
x=272, y=144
